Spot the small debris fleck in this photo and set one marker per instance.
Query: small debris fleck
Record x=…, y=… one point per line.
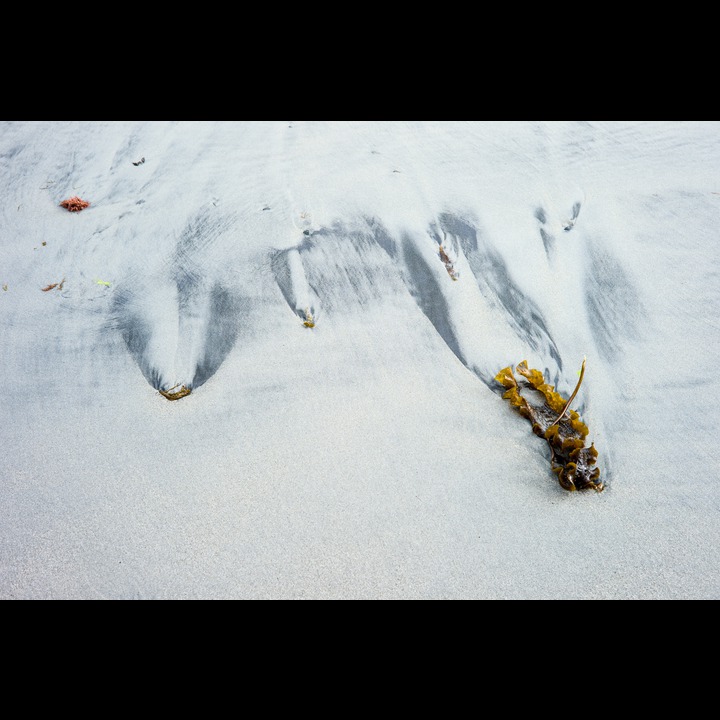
x=267, y=207
x=4, y=286
x=44, y=243
x=103, y=282
x=47, y=288
x=74, y=204
x=170, y=395
x=139, y=162
x=452, y=272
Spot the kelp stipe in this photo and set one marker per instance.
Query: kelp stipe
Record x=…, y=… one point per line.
x=557, y=424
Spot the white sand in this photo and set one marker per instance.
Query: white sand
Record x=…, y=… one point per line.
x=366, y=457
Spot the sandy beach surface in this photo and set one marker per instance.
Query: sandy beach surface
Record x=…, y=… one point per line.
x=339, y=297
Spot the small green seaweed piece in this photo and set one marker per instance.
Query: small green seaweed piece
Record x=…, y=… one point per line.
x=557, y=424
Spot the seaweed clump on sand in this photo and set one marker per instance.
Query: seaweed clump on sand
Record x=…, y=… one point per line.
x=554, y=421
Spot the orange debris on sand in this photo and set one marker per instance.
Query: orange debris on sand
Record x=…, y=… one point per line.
x=74, y=204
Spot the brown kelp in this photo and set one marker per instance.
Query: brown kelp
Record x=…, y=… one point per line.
x=554, y=421
x=170, y=395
